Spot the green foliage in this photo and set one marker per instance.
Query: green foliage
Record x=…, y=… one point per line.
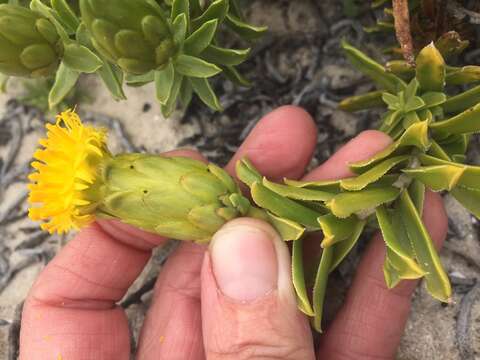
x=172, y=43
x=431, y=131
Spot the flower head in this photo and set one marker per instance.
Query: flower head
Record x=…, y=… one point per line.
x=65, y=168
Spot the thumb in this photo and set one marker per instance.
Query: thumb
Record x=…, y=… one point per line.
x=249, y=308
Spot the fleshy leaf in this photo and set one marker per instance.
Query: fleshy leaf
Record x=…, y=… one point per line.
x=284, y=207
x=79, y=58
x=417, y=193
x=464, y=75
x=195, y=67
x=223, y=56
x=373, y=69
x=400, y=255
x=416, y=135
x=466, y=122
x=65, y=15
x=247, y=173
x=65, y=80
x=470, y=174
x=431, y=70
x=217, y=10
x=298, y=278
x=372, y=175
x=433, y=98
x=202, y=88
x=437, y=178
x=169, y=106
x=324, y=185
x=361, y=102
x=469, y=198
x=288, y=229
x=462, y=101
x=361, y=202
x=246, y=31
x=438, y=284
x=164, y=82
x=201, y=38
x=341, y=249
x=335, y=229
x=297, y=193
x=320, y=287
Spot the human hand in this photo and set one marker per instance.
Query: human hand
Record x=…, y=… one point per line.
x=232, y=300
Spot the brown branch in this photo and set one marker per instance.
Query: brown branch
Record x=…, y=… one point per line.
x=402, y=29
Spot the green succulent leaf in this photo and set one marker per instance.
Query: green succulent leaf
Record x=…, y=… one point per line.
x=437, y=280
x=469, y=177
x=437, y=178
x=417, y=193
x=361, y=202
x=400, y=255
x=370, y=176
x=169, y=106
x=217, y=10
x=112, y=77
x=335, y=229
x=164, y=80
x=202, y=88
x=180, y=7
x=464, y=75
x=297, y=193
x=320, y=287
x=223, y=56
x=394, y=102
x=462, y=101
x=411, y=89
x=431, y=69
x=201, y=38
x=41, y=8
x=416, y=135
x=433, y=98
x=466, y=122
x=341, y=249
x=79, y=58
x=373, y=69
x=186, y=92
x=298, y=278
x=413, y=104
x=234, y=76
x=246, y=31
x=247, y=173
x=469, y=198
x=65, y=15
x=284, y=207
x=195, y=67
x=287, y=229
x=179, y=27
x=140, y=80
x=65, y=80
x=362, y=102
x=401, y=68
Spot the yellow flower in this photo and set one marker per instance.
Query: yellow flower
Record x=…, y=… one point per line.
x=66, y=167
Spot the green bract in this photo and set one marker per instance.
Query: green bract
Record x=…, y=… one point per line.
x=131, y=33
x=178, y=197
x=29, y=43
x=172, y=43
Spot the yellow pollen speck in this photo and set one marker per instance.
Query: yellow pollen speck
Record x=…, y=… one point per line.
x=162, y=339
x=66, y=167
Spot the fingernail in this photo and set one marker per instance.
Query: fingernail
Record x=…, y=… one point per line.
x=244, y=260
